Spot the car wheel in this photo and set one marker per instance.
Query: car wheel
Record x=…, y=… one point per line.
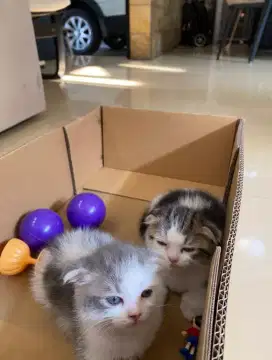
x=82, y=31
x=115, y=42
x=200, y=40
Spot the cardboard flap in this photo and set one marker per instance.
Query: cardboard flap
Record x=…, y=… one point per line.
x=140, y=186
x=190, y=147
x=84, y=142
x=34, y=176
x=234, y=187
x=238, y=143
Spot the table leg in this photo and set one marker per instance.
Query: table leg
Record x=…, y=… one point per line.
x=260, y=29
x=60, y=67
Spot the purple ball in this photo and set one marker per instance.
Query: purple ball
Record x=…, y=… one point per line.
x=86, y=210
x=39, y=227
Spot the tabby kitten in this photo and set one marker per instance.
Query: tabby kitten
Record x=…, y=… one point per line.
x=185, y=226
x=107, y=295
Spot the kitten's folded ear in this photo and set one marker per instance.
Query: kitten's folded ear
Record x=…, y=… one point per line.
x=79, y=276
x=151, y=219
x=212, y=233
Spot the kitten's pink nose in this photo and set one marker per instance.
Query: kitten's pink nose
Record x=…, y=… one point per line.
x=173, y=259
x=134, y=316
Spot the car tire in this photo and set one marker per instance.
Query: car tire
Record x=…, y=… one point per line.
x=82, y=31
x=200, y=40
x=115, y=42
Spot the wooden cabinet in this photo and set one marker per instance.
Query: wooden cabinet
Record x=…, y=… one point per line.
x=21, y=87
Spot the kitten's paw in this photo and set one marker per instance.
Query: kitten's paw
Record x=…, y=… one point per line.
x=192, y=303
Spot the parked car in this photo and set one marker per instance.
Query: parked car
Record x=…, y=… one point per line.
x=89, y=22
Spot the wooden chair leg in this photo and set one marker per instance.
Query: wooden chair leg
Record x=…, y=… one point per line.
x=260, y=29
x=238, y=16
x=227, y=27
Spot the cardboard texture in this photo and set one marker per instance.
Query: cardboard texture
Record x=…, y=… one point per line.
x=206, y=335
x=233, y=211
x=36, y=175
x=144, y=153
x=85, y=153
x=186, y=147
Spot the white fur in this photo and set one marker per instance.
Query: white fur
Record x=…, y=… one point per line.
x=127, y=340
x=175, y=241
x=155, y=201
x=135, y=278
x=128, y=344
x=37, y=286
x=193, y=303
x=195, y=203
x=122, y=338
x=188, y=253
x=185, y=277
x=78, y=242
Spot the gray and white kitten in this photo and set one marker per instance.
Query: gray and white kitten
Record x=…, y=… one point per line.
x=107, y=295
x=185, y=226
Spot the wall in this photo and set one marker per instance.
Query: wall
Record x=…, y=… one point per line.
x=165, y=25
x=154, y=27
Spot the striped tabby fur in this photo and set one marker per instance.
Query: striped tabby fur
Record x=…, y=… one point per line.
x=185, y=226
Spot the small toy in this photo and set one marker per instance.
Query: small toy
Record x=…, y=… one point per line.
x=192, y=336
x=39, y=227
x=15, y=257
x=86, y=209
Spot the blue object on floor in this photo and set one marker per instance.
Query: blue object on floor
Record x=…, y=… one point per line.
x=186, y=354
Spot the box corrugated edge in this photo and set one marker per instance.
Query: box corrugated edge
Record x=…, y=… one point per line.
x=222, y=302
x=206, y=334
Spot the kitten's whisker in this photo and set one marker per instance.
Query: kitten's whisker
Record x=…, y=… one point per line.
x=100, y=326
x=104, y=327
x=166, y=305
x=101, y=323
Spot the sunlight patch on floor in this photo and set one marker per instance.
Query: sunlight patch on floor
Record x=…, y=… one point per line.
x=142, y=66
x=91, y=71
x=101, y=81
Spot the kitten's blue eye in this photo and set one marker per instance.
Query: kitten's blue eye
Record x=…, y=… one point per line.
x=161, y=243
x=114, y=300
x=146, y=293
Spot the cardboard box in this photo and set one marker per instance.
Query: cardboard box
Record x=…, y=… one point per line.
x=126, y=156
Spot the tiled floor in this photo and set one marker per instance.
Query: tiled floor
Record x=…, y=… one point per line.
x=194, y=82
